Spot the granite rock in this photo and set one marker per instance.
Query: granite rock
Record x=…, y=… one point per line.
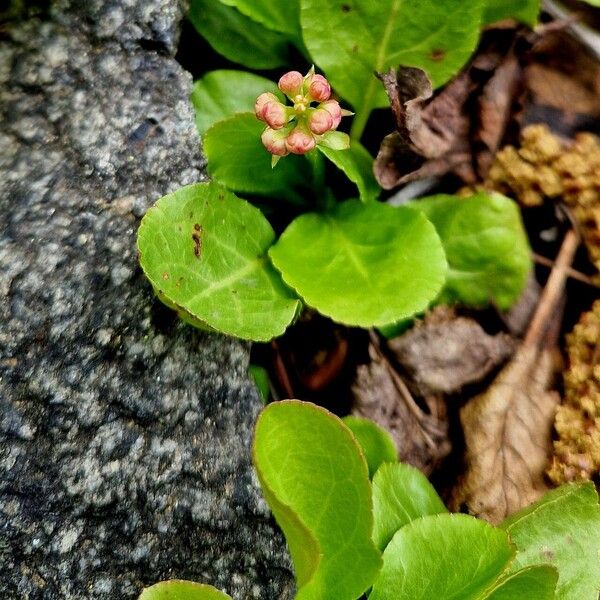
x=124, y=434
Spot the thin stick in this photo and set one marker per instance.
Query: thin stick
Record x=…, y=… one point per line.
x=572, y=273
x=553, y=290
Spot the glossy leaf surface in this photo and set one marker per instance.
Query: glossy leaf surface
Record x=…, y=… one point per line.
x=362, y=264
x=237, y=37
x=352, y=40
x=562, y=529
x=315, y=479
x=445, y=557
x=401, y=494
x=376, y=443
x=204, y=251
x=221, y=94
x=357, y=164
x=486, y=247
x=182, y=590
x=238, y=160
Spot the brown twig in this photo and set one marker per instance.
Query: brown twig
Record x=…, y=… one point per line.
x=281, y=371
x=572, y=273
x=553, y=290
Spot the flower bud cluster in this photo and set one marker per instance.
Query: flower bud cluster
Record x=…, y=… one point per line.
x=297, y=129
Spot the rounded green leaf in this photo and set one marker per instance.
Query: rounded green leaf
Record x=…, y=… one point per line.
x=182, y=590
x=562, y=529
x=353, y=40
x=204, y=251
x=238, y=160
x=486, y=246
x=315, y=479
x=526, y=11
x=357, y=164
x=401, y=494
x=531, y=583
x=278, y=15
x=237, y=37
x=362, y=264
x=442, y=557
x=376, y=443
x=223, y=93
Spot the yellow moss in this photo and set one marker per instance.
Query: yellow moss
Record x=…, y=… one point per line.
x=577, y=450
x=545, y=168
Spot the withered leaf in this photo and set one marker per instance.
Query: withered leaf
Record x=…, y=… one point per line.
x=508, y=438
x=441, y=357
x=460, y=127
x=380, y=394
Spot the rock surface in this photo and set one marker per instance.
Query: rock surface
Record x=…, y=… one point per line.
x=124, y=435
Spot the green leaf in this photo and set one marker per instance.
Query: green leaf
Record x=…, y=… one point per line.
x=315, y=479
x=442, y=557
x=530, y=583
x=182, y=590
x=376, y=443
x=204, y=251
x=221, y=94
x=357, y=164
x=362, y=264
x=486, y=247
x=260, y=376
x=562, y=529
x=238, y=160
x=526, y=11
x=237, y=37
x=352, y=40
x=401, y=494
x=278, y=15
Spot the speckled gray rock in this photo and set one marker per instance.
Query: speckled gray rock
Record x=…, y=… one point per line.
x=124, y=435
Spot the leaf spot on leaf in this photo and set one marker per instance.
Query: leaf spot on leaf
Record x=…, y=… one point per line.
x=197, y=239
x=346, y=8
x=437, y=54
x=165, y=276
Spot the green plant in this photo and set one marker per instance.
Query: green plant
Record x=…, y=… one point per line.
x=396, y=533
x=218, y=261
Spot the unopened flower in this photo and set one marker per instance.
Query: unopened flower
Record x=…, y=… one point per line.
x=318, y=88
x=275, y=114
x=261, y=101
x=320, y=120
x=297, y=129
x=275, y=141
x=333, y=108
x=300, y=141
x=291, y=83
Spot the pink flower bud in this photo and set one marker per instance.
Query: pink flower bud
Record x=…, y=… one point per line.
x=333, y=108
x=290, y=83
x=300, y=141
x=274, y=114
x=260, y=103
x=320, y=121
x=318, y=88
x=274, y=141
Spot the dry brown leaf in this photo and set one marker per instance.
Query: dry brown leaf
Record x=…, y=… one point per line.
x=441, y=357
x=507, y=436
x=380, y=395
x=508, y=428
x=460, y=127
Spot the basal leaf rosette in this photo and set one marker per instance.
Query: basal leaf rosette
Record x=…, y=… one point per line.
x=362, y=264
x=205, y=252
x=315, y=479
